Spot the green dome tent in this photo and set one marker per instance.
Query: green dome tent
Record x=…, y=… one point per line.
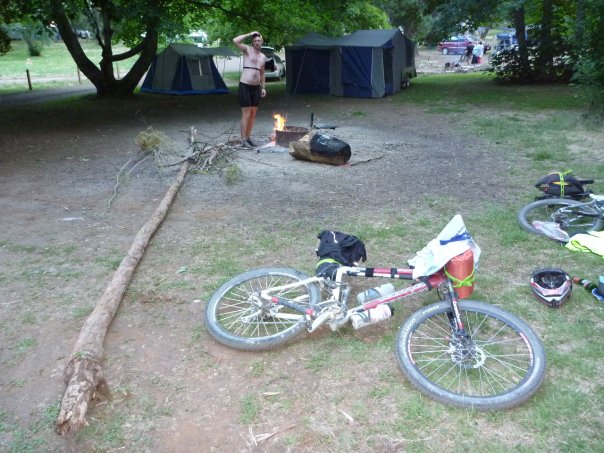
x=183, y=69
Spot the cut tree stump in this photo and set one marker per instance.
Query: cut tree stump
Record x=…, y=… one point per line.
x=320, y=147
x=83, y=374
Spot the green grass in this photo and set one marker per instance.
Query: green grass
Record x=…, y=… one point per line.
x=250, y=409
x=19, y=439
x=82, y=312
x=478, y=89
x=318, y=361
x=258, y=368
x=111, y=262
x=25, y=345
x=54, y=61
x=109, y=435
x=545, y=123
x=56, y=68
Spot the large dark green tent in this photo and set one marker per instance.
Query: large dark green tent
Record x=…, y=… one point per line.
x=186, y=69
x=365, y=64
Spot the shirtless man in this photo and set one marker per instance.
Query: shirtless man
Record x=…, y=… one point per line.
x=251, y=83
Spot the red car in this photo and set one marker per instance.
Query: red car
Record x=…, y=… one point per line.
x=458, y=44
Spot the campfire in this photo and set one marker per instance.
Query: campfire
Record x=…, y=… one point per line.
x=284, y=135
x=279, y=122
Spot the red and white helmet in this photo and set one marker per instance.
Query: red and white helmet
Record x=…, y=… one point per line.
x=551, y=285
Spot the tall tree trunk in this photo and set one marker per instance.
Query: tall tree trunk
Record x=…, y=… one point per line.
x=545, y=56
x=520, y=27
x=580, y=26
x=83, y=374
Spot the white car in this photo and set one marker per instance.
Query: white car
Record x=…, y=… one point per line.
x=84, y=34
x=199, y=37
x=274, y=68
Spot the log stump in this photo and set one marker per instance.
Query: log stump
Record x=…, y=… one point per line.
x=320, y=147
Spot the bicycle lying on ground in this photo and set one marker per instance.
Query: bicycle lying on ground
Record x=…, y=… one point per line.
x=571, y=216
x=460, y=352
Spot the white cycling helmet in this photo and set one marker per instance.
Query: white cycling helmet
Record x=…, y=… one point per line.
x=552, y=286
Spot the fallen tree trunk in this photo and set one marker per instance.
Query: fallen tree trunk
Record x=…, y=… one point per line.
x=83, y=374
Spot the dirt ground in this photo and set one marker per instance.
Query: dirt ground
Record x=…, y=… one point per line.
x=174, y=388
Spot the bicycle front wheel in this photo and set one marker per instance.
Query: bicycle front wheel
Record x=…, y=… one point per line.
x=236, y=316
x=577, y=218
x=500, y=364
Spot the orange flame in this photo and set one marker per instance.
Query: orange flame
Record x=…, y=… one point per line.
x=279, y=122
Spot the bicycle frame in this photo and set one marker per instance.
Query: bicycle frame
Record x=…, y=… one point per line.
x=596, y=202
x=595, y=208
x=338, y=302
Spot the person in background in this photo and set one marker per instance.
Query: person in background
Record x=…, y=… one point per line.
x=251, y=84
x=478, y=52
x=467, y=55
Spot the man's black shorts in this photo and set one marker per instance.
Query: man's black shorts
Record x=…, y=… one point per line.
x=249, y=95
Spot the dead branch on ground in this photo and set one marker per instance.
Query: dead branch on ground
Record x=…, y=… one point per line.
x=121, y=175
x=206, y=156
x=213, y=154
x=366, y=160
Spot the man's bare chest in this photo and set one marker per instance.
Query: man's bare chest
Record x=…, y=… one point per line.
x=255, y=59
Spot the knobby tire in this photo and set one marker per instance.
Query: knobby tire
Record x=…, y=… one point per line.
x=236, y=317
x=506, y=367
x=542, y=210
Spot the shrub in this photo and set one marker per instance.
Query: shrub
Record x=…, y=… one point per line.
x=508, y=67
x=34, y=48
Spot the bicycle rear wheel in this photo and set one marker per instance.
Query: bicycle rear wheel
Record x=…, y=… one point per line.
x=500, y=365
x=237, y=317
x=578, y=218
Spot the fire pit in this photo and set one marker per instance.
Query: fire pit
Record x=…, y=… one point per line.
x=289, y=134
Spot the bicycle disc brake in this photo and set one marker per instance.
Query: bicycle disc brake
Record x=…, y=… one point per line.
x=561, y=219
x=259, y=309
x=465, y=354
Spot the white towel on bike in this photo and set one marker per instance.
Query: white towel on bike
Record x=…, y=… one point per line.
x=590, y=242
x=453, y=240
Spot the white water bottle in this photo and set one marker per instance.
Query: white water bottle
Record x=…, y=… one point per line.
x=371, y=316
x=375, y=293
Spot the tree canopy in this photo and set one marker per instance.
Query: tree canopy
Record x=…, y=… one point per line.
x=566, y=41
x=283, y=23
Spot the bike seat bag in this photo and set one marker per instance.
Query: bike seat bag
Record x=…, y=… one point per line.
x=338, y=249
x=562, y=185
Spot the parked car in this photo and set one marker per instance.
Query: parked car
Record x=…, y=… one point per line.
x=458, y=44
x=199, y=37
x=84, y=34
x=507, y=38
x=274, y=68
x=14, y=31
